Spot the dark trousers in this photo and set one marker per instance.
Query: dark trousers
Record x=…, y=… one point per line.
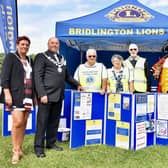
x=47, y=124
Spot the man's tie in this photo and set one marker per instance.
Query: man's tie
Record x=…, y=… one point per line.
x=133, y=62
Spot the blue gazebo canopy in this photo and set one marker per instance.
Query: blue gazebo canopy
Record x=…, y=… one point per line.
x=115, y=27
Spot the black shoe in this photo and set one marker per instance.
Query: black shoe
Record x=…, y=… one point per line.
x=40, y=154
x=55, y=147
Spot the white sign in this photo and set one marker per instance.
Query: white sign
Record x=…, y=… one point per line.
x=162, y=106
x=141, y=137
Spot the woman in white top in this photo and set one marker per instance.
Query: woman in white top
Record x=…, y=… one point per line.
x=119, y=77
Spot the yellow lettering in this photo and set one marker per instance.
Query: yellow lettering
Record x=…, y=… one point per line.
x=110, y=32
x=138, y=32
x=116, y=31
x=128, y=13
x=103, y=32
x=88, y=32
x=78, y=31
x=130, y=31
x=161, y=31
x=71, y=31
x=148, y=31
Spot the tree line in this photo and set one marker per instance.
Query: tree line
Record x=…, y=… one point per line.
x=2, y=56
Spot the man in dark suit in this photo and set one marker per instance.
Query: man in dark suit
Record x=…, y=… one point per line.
x=50, y=73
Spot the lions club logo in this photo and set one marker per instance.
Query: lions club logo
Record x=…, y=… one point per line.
x=89, y=80
x=129, y=13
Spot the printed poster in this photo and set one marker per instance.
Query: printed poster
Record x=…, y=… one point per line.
x=141, y=104
x=150, y=103
x=162, y=129
x=126, y=103
x=93, y=134
x=122, y=134
x=162, y=106
x=141, y=136
x=83, y=106
x=114, y=107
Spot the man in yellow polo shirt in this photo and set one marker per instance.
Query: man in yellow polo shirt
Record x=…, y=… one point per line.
x=92, y=75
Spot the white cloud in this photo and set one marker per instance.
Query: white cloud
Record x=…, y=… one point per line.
x=53, y=2
x=42, y=3
x=158, y=3
x=160, y=6
x=39, y=30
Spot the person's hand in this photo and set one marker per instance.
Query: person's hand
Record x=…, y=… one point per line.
x=8, y=101
x=108, y=91
x=156, y=74
x=44, y=99
x=102, y=91
x=80, y=88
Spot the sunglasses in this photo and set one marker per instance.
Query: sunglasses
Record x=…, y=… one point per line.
x=133, y=49
x=93, y=56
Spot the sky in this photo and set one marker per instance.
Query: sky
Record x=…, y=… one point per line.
x=37, y=18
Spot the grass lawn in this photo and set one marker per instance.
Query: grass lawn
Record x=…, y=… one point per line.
x=100, y=156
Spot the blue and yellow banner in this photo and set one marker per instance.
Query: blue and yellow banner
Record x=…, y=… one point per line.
x=8, y=24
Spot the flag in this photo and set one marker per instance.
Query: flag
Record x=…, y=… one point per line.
x=2, y=32
x=8, y=24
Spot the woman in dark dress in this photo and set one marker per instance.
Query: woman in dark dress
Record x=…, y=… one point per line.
x=18, y=95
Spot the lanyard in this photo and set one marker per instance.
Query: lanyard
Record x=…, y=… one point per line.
x=119, y=77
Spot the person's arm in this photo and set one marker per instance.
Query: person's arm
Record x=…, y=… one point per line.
x=104, y=86
x=69, y=79
x=76, y=74
x=108, y=87
x=157, y=68
x=147, y=74
x=8, y=99
x=5, y=78
x=131, y=80
x=131, y=87
x=39, y=70
x=103, y=80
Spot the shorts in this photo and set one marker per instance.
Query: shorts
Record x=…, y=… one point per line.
x=15, y=108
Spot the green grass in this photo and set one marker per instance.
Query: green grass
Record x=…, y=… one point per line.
x=100, y=156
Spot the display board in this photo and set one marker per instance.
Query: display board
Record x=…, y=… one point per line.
x=162, y=119
x=87, y=119
x=7, y=122
x=129, y=120
x=145, y=116
x=118, y=118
